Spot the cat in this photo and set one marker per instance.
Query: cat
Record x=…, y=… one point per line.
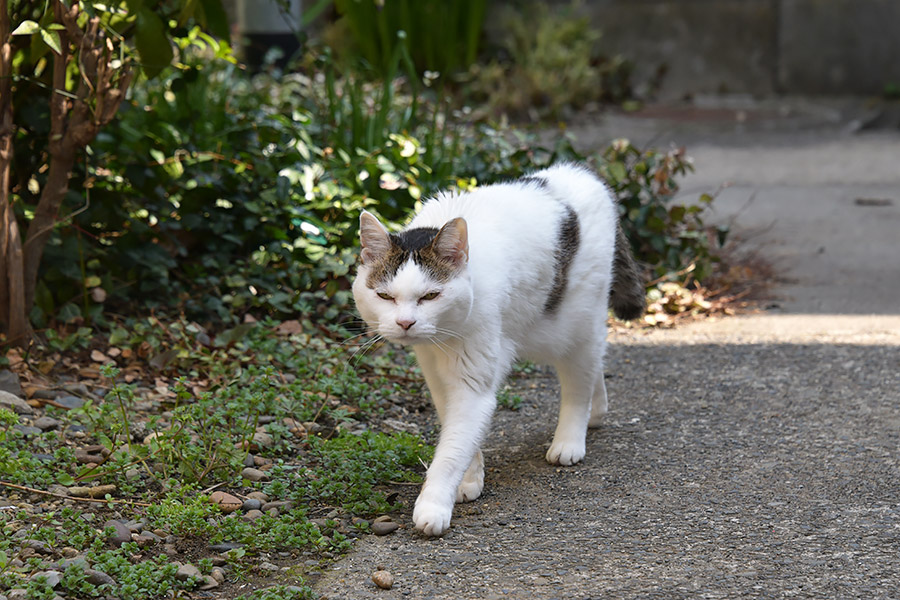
x=516, y=270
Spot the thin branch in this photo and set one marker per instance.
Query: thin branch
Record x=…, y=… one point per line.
x=77, y=499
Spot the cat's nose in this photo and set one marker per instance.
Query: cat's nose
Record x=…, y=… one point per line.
x=406, y=323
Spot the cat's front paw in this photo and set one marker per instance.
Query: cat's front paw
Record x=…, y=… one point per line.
x=565, y=453
x=432, y=518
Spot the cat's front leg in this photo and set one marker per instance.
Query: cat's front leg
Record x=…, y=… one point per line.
x=467, y=415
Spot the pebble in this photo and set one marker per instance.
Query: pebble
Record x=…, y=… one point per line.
x=263, y=439
x=209, y=582
x=218, y=573
x=98, y=577
x=15, y=404
x=46, y=423
x=226, y=502
x=384, y=525
x=252, y=515
x=38, y=546
x=261, y=496
x=267, y=566
x=186, y=572
x=9, y=382
x=277, y=505
x=53, y=577
x=122, y=534
x=70, y=402
x=383, y=579
x=254, y=474
x=251, y=504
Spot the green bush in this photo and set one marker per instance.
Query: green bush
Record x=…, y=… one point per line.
x=219, y=193
x=547, y=63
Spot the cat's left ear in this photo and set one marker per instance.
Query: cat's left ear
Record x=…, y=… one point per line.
x=452, y=242
x=373, y=238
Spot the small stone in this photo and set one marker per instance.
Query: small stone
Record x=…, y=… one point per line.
x=267, y=566
x=69, y=552
x=28, y=430
x=17, y=594
x=209, y=583
x=218, y=573
x=15, y=404
x=383, y=579
x=121, y=535
x=251, y=504
x=294, y=426
x=98, y=577
x=186, y=572
x=252, y=515
x=70, y=402
x=278, y=505
x=38, y=546
x=249, y=461
x=46, y=423
x=254, y=474
x=226, y=502
x=132, y=474
x=52, y=577
x=261, y=496
x=9, y=382
x=384, y=525
x=225, y=547
x=263, y=440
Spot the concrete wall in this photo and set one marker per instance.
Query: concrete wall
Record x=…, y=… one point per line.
x=757, y=47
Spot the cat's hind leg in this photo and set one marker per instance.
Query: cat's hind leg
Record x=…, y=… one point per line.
x=576, y=378
x=599, y=403
x=473, y=481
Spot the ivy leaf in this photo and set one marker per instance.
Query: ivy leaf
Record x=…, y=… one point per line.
x=27, y=28
x=65, y=479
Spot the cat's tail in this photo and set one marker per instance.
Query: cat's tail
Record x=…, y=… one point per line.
x=627, y=296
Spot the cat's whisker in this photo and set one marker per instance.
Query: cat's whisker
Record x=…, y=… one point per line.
x=363, y=348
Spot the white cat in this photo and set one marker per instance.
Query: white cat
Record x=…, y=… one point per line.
x=514, y=270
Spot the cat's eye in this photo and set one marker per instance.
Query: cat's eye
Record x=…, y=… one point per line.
x=430, y=296
x=385, y=296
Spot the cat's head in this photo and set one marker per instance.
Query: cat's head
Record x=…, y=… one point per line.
x=413, y=286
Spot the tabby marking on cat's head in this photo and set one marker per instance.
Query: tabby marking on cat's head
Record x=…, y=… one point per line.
x=408, y=287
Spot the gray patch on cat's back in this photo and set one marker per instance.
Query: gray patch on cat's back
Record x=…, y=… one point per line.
x=568, y=239
x=412, y=244
x=540, y=182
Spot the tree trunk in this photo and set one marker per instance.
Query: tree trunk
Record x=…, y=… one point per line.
x=13, y=314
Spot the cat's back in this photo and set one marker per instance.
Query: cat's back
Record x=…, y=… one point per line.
x=526, y=211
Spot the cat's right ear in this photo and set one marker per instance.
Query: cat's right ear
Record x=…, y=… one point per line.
x=373, y=238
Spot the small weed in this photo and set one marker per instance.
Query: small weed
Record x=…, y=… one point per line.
x=506, y=399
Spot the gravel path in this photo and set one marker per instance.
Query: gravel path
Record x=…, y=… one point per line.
x=725, y=469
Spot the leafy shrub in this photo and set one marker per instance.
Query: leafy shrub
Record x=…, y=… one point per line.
x=548, y=63
x=671, y=238
x=219, y=193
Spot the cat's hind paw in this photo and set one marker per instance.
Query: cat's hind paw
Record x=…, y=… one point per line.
x=431, y=518
x=565, y=453
x=470, y=490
